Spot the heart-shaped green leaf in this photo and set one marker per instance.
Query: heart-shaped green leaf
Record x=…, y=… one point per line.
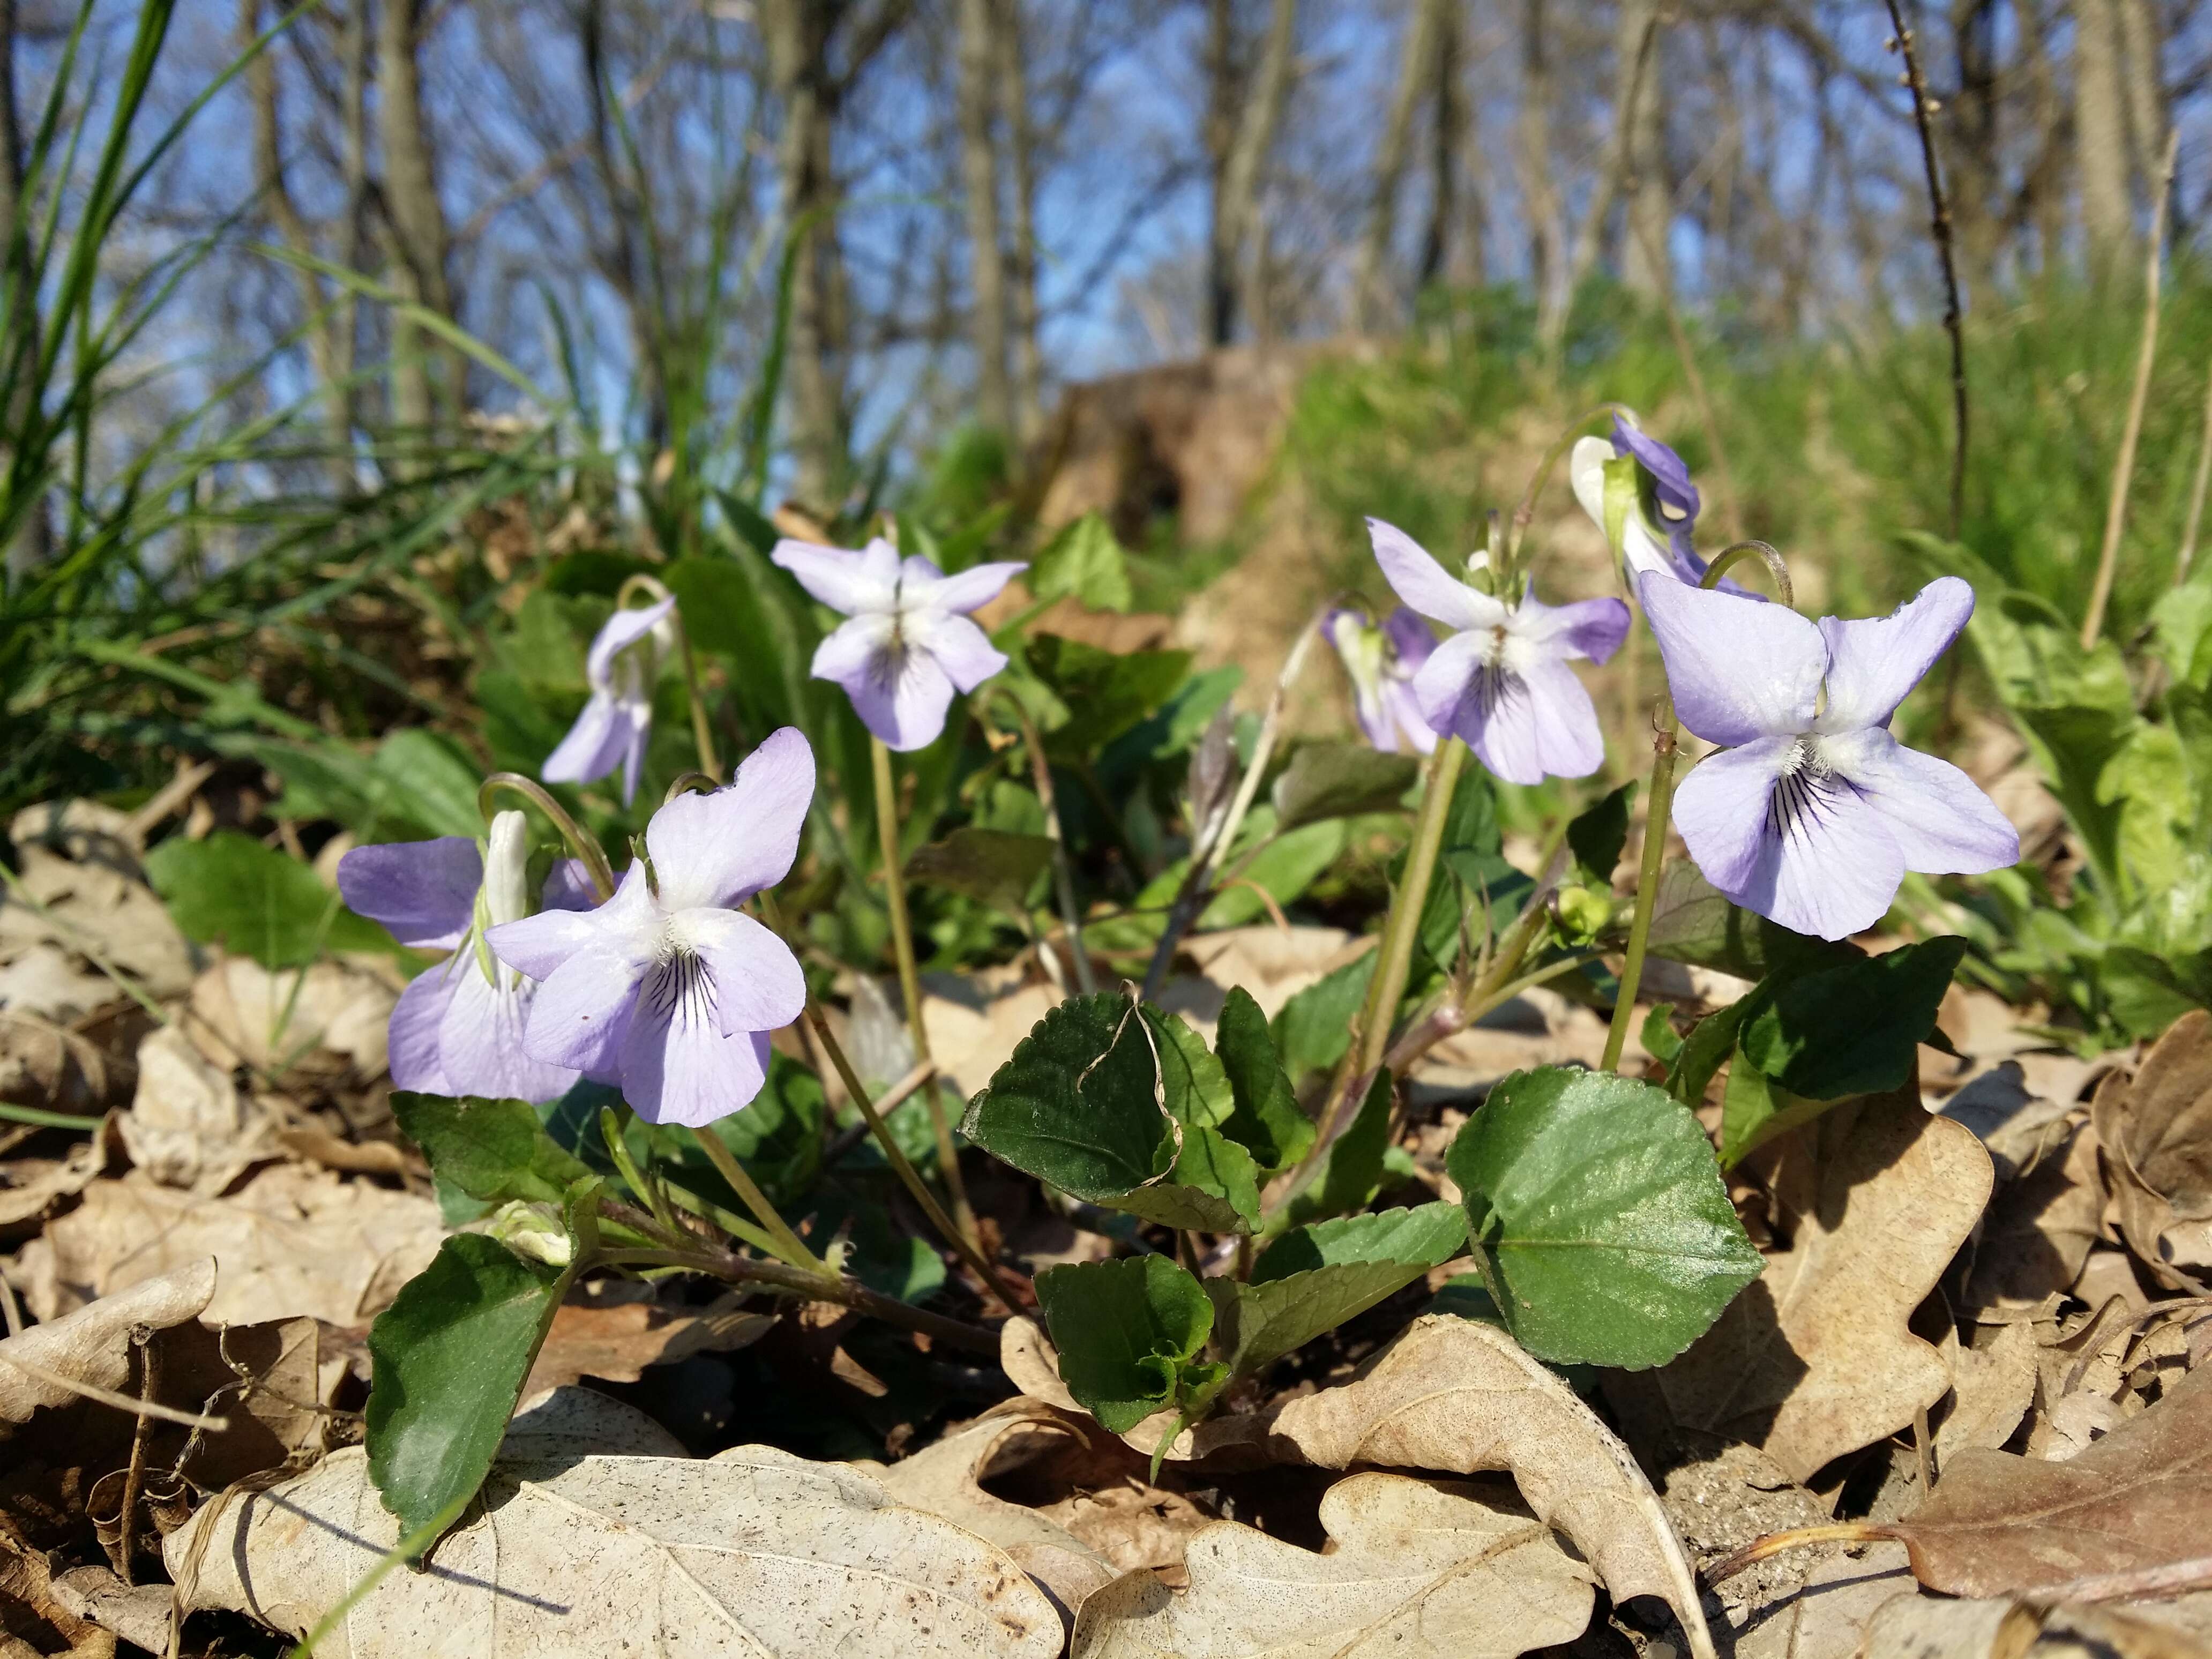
x=1128, y=1332
x=492, y=1150
x=1599, y=1217
x=1077, y=1103
x=1852, y=1030
x=1268, y=1121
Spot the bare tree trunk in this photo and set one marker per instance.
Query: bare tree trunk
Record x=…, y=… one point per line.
x=979, y=55
x=798, y=33
x=426, y=378
x=2042, y=203
x=1647, y=263
x=352, y=137
x=1539, y=193
x=319, y=320
x=1633, y=44
x=1417, y=71
x=1975, y=140
x=1447, y=137
x=623, y=257
x=1249, y=130
x=2146, y=88
x=31, y=544
x=1021, y=150
x=2100, y=141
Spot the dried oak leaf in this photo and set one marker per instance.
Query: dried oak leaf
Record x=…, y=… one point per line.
x=1454, y=1395
x=291, y=1241
x=1827, y=1617
x=2040, y=1226
x=1918, y=1627
x=575, y=1551
x=2141, y=1497
x=1418, y=1570
x=1992, y=1390
x=93, y=1343
x=617, y=1343
x=2156, y=1131
x=944, y=1478
x=1815, y=1360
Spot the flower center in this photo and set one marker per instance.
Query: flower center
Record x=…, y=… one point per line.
x=1805, y=792
x=680, y=988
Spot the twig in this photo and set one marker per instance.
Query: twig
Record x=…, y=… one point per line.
x=1939, y=224
x=834, y=1288
x=134, y=1477
x=2124, y=470
x=122, y=1402
x=1063, y=879
x=2196, y=489
x=1840, y=1532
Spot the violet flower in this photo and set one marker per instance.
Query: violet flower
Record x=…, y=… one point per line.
x=1642, y=548
x=909, y=645
x=458, y=1027
x=1501, y=682
x=667, y=989
x=1381, y=663
x=1812, y=812
x=610, y=732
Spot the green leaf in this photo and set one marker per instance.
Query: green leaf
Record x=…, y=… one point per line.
x=1268, y=1121
x=449, y=1360
x=1661, y=1040
x=1076, y=1105
x=1314, y=1028
x=1193, y=1082
x=1286, y=868
x=1339, y=781
x=1599, y=1217
x=433, y=784
x=778, y=1139
x=1127, y=1331
x=1347, y=1175
x=1708, y=1045
x=493, y=1149
x=991, y=866
x=1314, y=1279
x=1597, y=835
x=1213, y=1186
x=1105, y=692
x=232, y=891
x=1852, y=1030
x=1755, y=1109
x=1693, y=923
x=1084, y=563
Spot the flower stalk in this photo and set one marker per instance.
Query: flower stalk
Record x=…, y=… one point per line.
x=1063, y=879
x=887, y=834
x=703, y=731
x=585, y=846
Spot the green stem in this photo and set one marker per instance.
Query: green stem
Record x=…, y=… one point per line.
x=966, y=1248
x=584, y=847
x=611, y=1125
x=787, y=1244
x=1063, y=879
x=703, y=735
x=1404, y=925
x=887, y=836
x=832, y=1287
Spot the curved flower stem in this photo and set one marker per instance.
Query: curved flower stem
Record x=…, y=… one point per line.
x=887, y=837
x=702, y=734
x=1525, y=513
x=1063, y=880
x=787, y=1244
x=965, y=1246
x=587, y=850
x=1666, y=744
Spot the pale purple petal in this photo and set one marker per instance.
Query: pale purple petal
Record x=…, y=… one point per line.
x=975, y=586
x=568, y=887
x=757, y=984
x=1721, y=809
x=424, y=892
x=416, y=1019
x=480, y=1042
x=1669, y=476
x=535, y=946
x=1941, y=822
x=902, y=699
x=850, y=582
x=621, y=631
x=1427, y=585
x=963, y=650
x=850, y=647
x=1446, y=679
x=1588, y=627
x=639, y=715
x=1824, y=861
x=677, y=1069
x=579, y=1015
x=1402, y=717
x=1737, y=669
x=1411, y=639
x=1873, y=662
x=720, y=850
x=603, y=734
x=1523, y=723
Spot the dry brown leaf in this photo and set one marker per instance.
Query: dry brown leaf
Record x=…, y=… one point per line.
x=313, y=1144
x=943, y=1480
x=92, y=908
x=330, y=1020
x=616, y=1344
x=2139, y=1498
x=1031, y=1363
x=139, y=1615
x=1992, y=1390
x=93, y=1343
x=1461, y=1397
x=575, y=1551
x=187, y=1126
x=2040, y=1226
x=48, y=982
x=2156, y=1130
x=1826, y=1618
x=29, y=1185
x=1921, y=1627
x=1416, y=1570
x=1815, y=1360
x=292, y=1241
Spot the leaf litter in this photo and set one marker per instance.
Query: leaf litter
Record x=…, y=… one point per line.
x=1337, y=1503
